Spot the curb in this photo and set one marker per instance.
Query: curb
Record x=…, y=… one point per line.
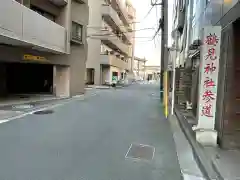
x=35, y=101
x=68, y=100
x=205, y=163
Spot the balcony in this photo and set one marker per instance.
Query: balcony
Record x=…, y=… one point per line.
x=20, y=26
x=112, y=41
x=112, y=18
x=112, y=60
x=82, y=1
x=131, y=12
x=59, y=2
x=123, y=10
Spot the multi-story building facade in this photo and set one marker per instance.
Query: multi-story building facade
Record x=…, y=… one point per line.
x=190, y=16
x=43, y=46
x=152, y=72
x=139, y=68
x=110, y=40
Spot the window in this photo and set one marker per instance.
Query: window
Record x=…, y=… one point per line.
x=24, y=2
x=77, y=32
x=43, y=13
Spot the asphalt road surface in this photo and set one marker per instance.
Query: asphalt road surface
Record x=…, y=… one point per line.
x=116, y=135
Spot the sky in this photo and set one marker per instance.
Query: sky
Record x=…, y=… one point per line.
x=145, y=46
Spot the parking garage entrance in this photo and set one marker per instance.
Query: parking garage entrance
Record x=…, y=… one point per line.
x=25, y=78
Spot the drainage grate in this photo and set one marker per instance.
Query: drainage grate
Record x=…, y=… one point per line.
x=140, y=152
x=43, y=112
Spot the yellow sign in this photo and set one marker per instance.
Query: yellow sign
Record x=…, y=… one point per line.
x=34, y=58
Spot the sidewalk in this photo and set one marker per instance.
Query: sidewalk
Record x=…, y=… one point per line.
x=97, y=87
x=27, y=99
x=214, y=162
x=17, y=107
x=188, y=165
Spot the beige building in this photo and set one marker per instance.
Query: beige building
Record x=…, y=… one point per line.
x=139, y=68
x=110, y=40
x=43, y=46
x=152, y=72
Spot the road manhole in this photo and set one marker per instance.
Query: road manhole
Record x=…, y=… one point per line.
x=43, y=112
x=140, y=152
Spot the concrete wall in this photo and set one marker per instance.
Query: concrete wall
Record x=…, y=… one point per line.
x=78, y=53
x=76, y=59
x=26, y=27
x=94, y=45
x=77, y=70
x=106, y=76
x=61, y=81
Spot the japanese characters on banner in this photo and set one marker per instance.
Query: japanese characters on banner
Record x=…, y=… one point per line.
x=209, y=65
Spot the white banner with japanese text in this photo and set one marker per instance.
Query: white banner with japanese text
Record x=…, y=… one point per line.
x=209, y=66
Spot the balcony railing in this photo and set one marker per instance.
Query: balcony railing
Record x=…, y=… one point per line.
x=110, y=39
x=21, y=26
x=111, y=16
x=59, y=2
x=123, y=10
x=113, y=60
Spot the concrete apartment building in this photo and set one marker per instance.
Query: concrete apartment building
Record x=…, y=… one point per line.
x=110, y=40
x=190, y=16
x=152, y=72
x=43, y=46
x=139, y=68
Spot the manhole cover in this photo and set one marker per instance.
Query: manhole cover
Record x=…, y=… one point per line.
x=43, y=112
x=140, y=152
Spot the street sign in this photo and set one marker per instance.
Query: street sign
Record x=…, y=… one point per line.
x=209, y=67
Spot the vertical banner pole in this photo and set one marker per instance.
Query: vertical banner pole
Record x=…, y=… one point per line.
x=166, y=92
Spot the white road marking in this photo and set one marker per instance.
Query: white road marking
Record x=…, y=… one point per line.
x=153, y=153
x=192, y=177
x=128, y=151
x=40, y=109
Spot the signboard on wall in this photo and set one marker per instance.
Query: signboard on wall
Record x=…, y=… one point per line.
x=209, y=67
x=30, y=57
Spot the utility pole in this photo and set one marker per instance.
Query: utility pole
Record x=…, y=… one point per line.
x=165, y=45
x=164, y=56
x=163, y=25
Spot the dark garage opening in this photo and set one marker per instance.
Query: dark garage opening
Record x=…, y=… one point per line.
x=29, y=78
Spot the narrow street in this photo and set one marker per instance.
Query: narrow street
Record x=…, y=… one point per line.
x=116, y=135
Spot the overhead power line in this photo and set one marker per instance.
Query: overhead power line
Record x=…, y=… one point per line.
x=160, y=26
x=142, y=29
x=113, y=33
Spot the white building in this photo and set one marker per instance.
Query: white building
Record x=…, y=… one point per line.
x=110, y=40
